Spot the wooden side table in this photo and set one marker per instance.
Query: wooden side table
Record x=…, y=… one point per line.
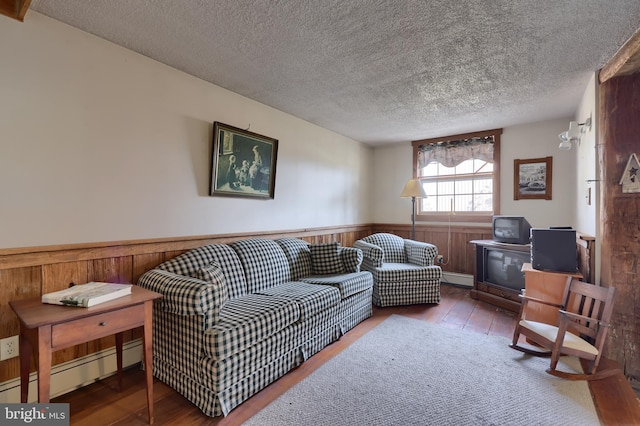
x=47, y=328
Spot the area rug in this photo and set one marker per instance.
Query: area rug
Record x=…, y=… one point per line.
x=411, y=372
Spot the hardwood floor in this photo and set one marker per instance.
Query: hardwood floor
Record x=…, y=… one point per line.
x=101, y=404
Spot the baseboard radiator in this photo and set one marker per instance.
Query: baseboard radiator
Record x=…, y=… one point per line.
x=76, y=373
x=454, y=278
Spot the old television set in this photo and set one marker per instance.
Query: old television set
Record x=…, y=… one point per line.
x=554, y=249
x=510, y=229
x=502, y=267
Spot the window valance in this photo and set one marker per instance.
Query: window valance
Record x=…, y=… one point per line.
x=452, y=153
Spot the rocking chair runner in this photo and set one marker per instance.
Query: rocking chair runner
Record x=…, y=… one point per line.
x=583, y=323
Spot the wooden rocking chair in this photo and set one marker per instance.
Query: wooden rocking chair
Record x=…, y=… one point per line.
x=583, y=323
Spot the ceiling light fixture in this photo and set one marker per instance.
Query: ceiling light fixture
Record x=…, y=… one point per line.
x=573, y=134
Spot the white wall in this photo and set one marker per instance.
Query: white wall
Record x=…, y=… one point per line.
x=392, y=167
x=98, y=143
x=586, y=158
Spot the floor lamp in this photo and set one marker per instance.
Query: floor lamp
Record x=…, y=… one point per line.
x=413, y=189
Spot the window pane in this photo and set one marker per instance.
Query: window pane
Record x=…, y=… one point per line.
x=431, y=188
x=446, y=171
x=445, y=187
x=484, y=203
x=466, y=167
x=464, y=186
x=483, y=186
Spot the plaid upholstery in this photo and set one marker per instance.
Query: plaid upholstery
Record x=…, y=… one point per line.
x=185, y=295
x=223, y=373
x=392, y=246
x=325, y=259
x=248, y=320
x=406, y=272
x=348, y=284
x=420, y=253
x=264, y=262
x=351, y=259
x=401, y=279
x=310, y=298
x=407, y=293
x=373, y=256
x=232, y=321
x=189, y=263
x=299, y=256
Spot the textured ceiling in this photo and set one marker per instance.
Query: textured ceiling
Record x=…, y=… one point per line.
x=377, y=71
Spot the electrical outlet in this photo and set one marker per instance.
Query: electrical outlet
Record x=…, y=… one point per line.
x=439, y=259
x=9, y=347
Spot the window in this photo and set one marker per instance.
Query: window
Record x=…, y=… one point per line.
x=461, y=176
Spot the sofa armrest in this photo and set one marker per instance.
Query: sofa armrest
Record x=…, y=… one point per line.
x=185, y=295
x=419, y=253
x=351, y=259
x=373, y=256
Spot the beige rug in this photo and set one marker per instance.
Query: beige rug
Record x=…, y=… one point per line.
x=410, y=372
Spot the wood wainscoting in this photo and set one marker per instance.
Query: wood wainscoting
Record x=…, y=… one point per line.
x=30, y=272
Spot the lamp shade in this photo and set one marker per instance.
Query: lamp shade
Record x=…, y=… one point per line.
x=413, y=188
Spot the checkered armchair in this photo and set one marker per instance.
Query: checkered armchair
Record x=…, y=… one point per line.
x=403, y=270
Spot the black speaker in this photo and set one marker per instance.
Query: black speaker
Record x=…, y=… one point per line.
x=554, y=249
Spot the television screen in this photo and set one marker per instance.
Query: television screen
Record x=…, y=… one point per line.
x=511, y=229
x=504, y=267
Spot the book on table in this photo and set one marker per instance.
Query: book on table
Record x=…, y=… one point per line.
x=86, y=295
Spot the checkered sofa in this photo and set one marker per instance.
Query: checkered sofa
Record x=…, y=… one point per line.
x=235, y=317
x=403, y=270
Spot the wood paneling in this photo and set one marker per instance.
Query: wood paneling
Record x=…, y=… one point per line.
x=32, y=271
x=618, y=135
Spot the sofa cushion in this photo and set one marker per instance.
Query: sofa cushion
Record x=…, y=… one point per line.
x=348, y=284
x=325, y=259
x=264, y=263
x=299, y=256
x=400, y=272
x=311, y=298
x=247, y=320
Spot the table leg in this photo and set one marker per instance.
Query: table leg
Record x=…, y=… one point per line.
x=119, y=338
x=148, y=363
x=25, y=362
x=44, y=364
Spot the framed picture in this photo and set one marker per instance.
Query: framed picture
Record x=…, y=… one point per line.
x=532, y=179
x=243, y=163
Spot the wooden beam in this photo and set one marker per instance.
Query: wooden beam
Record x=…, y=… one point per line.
x=626, y=61
x=15, y=9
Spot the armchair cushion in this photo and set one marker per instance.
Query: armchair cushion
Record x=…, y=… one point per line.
x=325, y=259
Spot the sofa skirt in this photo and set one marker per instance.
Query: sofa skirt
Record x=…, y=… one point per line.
x=406, y=293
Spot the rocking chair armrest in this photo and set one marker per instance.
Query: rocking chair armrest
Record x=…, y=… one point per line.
x=576, y=317
x=536, y=300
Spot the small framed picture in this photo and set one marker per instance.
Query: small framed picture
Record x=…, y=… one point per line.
x=243, y=163
x=532, y=179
